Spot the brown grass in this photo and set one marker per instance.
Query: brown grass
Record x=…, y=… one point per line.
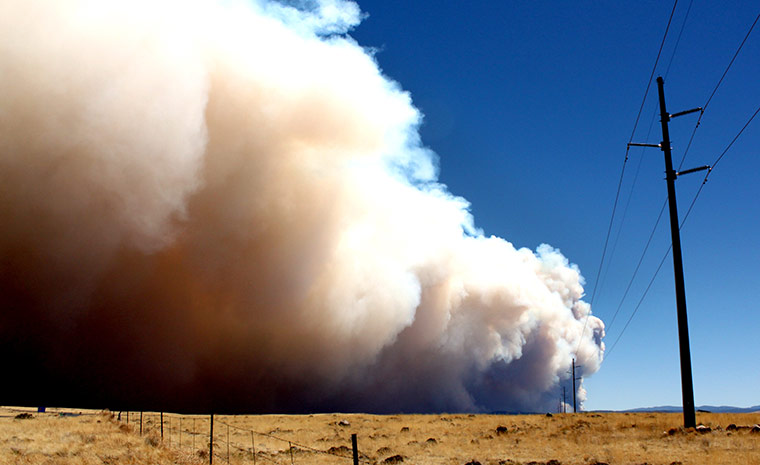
x=69, y=437
x=613, y=438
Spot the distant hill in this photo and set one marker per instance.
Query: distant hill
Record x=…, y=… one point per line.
x=708, y=408
x=660, y=409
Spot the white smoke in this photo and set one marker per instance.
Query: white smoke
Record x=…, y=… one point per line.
x=236, y=189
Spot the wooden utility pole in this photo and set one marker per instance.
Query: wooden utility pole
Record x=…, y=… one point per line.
x=687, y=387
x=575, y=406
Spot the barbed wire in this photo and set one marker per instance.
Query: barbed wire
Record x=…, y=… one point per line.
x=293, y=443
x=173, y=428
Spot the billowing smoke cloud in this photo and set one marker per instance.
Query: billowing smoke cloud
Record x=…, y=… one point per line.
x=226, y=205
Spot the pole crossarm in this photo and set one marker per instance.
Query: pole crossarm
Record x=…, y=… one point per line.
x=637, y=144
x=694, y=170
x=681, y=113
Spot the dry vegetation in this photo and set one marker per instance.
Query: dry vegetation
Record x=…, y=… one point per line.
x=62, y=437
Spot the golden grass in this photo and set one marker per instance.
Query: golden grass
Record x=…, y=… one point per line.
x=588, y=438
x=66, y=437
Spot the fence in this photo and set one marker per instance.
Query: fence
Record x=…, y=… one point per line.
x=218, y=439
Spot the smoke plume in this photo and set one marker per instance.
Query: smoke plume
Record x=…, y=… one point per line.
x=226, y=205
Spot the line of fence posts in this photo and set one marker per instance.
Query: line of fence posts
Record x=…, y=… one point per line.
x=354, y=444
x=179, y=442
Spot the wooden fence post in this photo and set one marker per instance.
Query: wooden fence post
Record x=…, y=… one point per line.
x=253, y=449
x=141, y=423
x=211, y=441
x=162, y=426
x=356, y=449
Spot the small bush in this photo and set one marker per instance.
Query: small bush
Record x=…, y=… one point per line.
x=152, y=440
x=394, y=459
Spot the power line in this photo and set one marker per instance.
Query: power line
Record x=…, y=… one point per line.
x=715, y=89
x=641, y=159
x=731, y=62
x=717, y=160
x=638, y=266
x=654, y=68
x=720, y=157
x=638, y=167
x=636, y=309
x=683, y=159
x=683, y=221
x=678, y=40
x=622, y=171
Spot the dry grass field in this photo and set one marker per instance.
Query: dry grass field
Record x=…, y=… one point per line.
x=88, y=437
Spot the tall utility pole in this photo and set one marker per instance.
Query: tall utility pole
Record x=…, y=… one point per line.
x=687, y=388
x=575, y=406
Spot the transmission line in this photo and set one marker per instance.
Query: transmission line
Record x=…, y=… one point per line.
x=638, y=169
x=638, y=266
x=636, y=309
x=683, y=159
x=622, y=171
x=683, y=221
x=715, y=89
x=731, y=62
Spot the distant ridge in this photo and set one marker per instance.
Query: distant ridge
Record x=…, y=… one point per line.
x=706, y=408
x=660, y=409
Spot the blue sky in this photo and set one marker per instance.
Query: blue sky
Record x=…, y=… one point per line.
x=529, y=106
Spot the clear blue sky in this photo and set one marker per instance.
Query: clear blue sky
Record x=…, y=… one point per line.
x=530, y=105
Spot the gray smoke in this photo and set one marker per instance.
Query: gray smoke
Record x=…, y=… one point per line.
x=228, y=198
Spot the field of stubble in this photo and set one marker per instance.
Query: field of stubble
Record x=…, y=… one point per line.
x=69, y=436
